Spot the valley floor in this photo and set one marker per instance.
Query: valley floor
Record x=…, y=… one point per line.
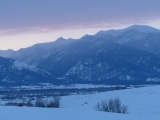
x=143, y=104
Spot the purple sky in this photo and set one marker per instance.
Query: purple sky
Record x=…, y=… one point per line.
x=26, y=22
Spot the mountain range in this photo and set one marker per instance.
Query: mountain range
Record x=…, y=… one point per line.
x=125, y=56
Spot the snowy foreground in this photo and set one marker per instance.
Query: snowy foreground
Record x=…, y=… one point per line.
x=143, y=104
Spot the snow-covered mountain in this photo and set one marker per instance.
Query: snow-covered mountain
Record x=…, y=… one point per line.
x=6, y=53
x=138, y=36
x=126, y=56
x=37, y=53
x=138, y=28
x=95, y=60
x=13, y=73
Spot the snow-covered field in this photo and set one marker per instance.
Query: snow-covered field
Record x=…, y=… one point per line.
x=143, y=104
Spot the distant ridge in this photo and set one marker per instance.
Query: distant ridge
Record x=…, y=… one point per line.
x=125, y=56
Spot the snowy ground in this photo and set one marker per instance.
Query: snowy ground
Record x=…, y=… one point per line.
x=143, y=104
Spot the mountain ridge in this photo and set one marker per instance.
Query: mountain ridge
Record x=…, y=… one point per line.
x=129, y=56
x=140, y=28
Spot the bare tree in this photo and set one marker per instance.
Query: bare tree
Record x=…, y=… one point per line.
x=39, y=103
x=112, y=105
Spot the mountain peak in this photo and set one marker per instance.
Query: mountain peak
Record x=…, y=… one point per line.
x=143, y=28
x=60, y=39
x=139, y=28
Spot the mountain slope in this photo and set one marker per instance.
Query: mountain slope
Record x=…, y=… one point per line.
x=138, y=28
x=37, y=53
x=6, y=53
x=138, y=36
x=14, y=73
x=95, y=60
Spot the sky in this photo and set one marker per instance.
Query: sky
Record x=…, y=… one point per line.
x=26, y=22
